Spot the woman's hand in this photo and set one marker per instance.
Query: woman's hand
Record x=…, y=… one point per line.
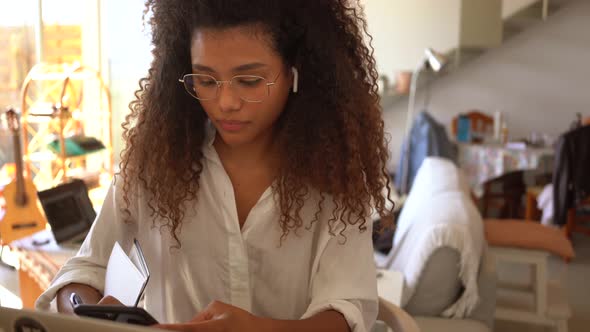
x=220, y=317
x=86, y=293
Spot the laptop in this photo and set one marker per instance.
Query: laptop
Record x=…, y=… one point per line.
x=69, y=211
x=13, y=320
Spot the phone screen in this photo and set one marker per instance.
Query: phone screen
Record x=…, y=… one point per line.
x=116, y=313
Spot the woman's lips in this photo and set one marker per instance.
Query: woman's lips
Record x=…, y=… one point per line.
x=232, y=125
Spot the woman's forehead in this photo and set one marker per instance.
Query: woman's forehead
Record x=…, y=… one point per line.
x=248, y=39
x=229, y=48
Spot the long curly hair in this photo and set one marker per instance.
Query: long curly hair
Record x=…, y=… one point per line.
x=330, y=133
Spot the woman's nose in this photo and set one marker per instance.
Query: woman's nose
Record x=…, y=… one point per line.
x=228, y=98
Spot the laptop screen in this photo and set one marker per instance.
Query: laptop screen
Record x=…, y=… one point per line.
x=68, y=209
x=63, y=211
x=13, y=320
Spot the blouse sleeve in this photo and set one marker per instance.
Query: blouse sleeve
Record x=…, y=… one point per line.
x=345, y=279
x=89, y=265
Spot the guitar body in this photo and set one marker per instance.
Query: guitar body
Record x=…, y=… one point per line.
x=23, y=215
x=21, y=220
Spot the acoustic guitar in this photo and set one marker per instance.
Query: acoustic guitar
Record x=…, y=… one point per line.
x=23, y=215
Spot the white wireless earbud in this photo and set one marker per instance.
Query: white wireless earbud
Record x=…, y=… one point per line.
x=295, y=79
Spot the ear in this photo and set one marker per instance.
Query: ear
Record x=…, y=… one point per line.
x=295, y=79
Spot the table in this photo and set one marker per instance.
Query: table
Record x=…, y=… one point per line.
x=390, y=286
x=483, y=162
x=541, y=302
x=38, y=264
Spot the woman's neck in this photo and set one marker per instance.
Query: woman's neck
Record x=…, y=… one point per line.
x=261, y=152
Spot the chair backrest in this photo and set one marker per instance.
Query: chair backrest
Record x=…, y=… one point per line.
x=504, y=192
x=396, y=318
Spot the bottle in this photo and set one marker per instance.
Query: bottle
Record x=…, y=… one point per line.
x=504, y=133
x=497, y=126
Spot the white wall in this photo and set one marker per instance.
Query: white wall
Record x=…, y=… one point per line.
x=402, y=29
x=510, y=7
x=126, y=57
x=539, y=78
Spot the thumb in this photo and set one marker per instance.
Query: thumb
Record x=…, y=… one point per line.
x=208, y=315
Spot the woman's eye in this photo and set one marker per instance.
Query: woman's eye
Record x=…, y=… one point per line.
x=249, y=81
x=206, y=82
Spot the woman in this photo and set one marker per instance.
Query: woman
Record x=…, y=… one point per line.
x=254, y=153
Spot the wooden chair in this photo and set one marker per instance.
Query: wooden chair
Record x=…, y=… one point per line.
x=577, y=223
x=504, y=193
x=481, y=123
x=530, y=244
x=532, y=212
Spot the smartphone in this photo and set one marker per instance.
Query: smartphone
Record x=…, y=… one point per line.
x=116, y=313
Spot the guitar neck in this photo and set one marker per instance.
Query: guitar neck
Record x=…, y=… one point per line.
x=21, y=197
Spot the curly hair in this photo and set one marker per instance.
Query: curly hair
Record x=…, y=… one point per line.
x=331, y=132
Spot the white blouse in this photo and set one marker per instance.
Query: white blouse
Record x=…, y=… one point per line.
x=310, y=272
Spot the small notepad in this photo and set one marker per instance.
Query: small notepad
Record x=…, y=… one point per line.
x=127, y=275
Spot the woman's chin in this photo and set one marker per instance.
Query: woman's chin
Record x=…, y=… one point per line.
x=235, y=139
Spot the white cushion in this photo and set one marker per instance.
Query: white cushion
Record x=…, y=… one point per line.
x=439, y=212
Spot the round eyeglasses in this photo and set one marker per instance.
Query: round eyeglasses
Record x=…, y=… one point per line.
x=249, y=88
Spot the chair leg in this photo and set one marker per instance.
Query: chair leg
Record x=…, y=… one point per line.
x=561, y=325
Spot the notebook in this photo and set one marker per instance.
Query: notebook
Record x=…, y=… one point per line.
x=126, y=275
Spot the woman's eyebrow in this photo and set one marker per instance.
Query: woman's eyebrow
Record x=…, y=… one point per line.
x=249, y=66
x=200, y=67
x=240, y=68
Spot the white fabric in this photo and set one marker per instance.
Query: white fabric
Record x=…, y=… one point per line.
x=311, y=272
x=545, y=204
x=438, y=213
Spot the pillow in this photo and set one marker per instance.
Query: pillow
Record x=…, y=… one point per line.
x=527, y=235
x=439, y=286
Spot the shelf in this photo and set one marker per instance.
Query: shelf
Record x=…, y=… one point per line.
x=84, y=93
x=46, y=156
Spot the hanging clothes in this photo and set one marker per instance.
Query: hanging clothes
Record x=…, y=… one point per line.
x=571, y=174
x=427, y=138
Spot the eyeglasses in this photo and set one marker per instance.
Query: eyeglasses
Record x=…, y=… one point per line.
x=249, y=88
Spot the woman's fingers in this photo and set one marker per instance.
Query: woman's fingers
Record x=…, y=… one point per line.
x=109, y=300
